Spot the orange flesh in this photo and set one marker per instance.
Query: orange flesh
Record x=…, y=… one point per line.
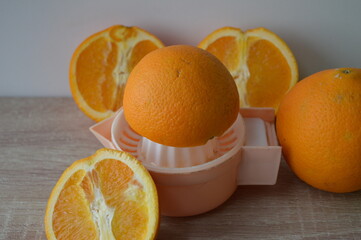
x=260, y=62
x=226, y=49
x=270, y=74
x=113, y=178
x=139, y=51
x=95, y=72
x=72, y=206
x=94, y=69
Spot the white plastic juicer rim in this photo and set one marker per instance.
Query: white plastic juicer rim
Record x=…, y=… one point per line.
x=238, y=126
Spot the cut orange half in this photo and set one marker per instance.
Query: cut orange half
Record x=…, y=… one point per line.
x=109, y=195
x=260, y=62
x=100, y=67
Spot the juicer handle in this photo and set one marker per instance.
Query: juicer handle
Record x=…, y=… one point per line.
x=259, y=165
x=261, y=156
x=101, y=131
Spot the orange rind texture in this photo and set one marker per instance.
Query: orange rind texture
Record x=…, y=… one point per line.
x=318, y=127
x=180, y=96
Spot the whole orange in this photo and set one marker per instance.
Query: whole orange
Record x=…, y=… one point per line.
x=180, y=96
x=319, y=129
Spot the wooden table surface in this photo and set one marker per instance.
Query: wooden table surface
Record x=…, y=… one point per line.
x=40, y=137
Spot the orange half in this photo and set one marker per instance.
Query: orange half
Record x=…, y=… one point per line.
x=100, y=67
x=261, y=63
x=109, y=195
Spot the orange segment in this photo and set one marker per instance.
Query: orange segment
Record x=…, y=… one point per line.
x=71, y=207
x=122, y=222
x=265, y=70
x=227, y=50
x=139, y=51
x=261, y=64
x=113, y=185
x=94, y=78
x=109, y=195
x=100, y=67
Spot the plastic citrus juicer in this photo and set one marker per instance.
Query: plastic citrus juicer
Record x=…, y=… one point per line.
x=195, y=180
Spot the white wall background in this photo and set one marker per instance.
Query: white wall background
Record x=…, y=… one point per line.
x=37, y=38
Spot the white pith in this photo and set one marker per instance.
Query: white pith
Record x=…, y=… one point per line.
x=102, y=215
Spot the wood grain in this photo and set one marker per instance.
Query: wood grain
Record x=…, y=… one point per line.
x=40, y=137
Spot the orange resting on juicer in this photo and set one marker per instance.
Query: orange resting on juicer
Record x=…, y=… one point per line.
x=180, y=96
x=100, y=67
